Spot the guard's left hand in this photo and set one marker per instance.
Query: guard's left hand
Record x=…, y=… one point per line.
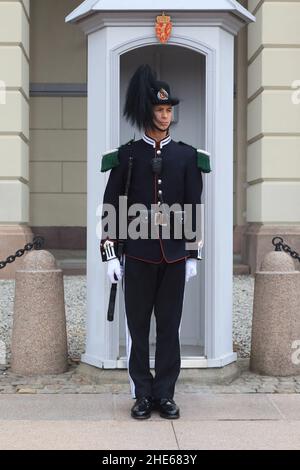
x=190, y=268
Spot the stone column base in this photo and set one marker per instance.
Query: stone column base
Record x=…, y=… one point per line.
x=257, y=242
x=238, y=235
x=12, y=238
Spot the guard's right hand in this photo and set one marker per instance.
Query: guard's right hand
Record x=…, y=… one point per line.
x=190, y=268
x=114, y=270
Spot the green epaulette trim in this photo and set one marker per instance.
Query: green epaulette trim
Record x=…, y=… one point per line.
x=203, y=161
x=110, y=159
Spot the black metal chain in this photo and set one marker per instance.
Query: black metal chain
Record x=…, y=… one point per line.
x=38, y=243
x=281, y=246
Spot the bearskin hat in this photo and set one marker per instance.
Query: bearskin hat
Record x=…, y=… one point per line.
x=143, y=92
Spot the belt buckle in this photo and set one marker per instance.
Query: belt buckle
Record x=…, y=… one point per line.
x=160, y=219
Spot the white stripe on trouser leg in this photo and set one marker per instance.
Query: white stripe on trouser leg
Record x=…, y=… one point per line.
x=179, y=333
x=128, y=351
x=128, y=339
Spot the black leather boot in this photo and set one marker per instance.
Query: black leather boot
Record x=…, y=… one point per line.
x=167, y=408
x=142, y=408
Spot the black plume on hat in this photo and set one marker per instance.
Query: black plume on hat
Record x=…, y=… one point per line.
x=143, y=92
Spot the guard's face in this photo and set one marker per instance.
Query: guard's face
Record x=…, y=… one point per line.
x=162, y=115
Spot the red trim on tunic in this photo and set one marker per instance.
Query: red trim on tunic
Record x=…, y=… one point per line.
x=146, y=260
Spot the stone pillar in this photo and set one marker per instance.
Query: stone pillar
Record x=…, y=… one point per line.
x=276, y=322
x=273, y=156
x=39, y=337
x=14, y=130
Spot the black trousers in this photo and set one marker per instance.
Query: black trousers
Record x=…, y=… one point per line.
x=149, y=286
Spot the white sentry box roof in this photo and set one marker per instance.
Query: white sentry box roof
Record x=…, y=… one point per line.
x=90, y=7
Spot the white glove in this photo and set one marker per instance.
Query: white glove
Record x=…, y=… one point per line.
x=190, y=268
x=114, y=267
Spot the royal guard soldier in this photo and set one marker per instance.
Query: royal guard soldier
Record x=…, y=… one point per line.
x=153, y=268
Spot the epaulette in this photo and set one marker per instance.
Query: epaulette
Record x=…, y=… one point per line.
x=110, y=159
x=203, y=158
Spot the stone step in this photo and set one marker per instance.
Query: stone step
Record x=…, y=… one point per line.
x=239, y=269
x=238, y=266
x=72, y=262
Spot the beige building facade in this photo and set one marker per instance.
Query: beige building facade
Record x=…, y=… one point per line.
x=43, y=122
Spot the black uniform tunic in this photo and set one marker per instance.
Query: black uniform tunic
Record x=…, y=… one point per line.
x=180, y=183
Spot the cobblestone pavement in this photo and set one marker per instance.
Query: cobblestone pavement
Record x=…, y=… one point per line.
x=116, y=381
